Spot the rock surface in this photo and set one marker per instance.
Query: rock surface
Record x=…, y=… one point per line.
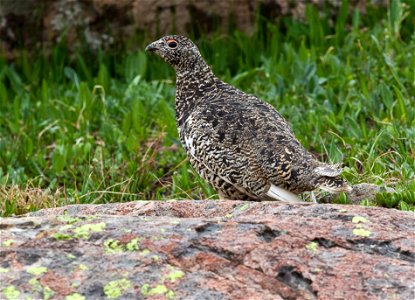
x=208, y=250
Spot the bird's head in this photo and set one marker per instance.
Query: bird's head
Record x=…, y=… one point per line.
x=178, y=51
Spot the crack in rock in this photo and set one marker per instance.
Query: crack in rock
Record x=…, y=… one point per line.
x=370, y=246
x=207, y=228
x=383, y=248
x=296, y=280
x=326, y=243
x=267, y=234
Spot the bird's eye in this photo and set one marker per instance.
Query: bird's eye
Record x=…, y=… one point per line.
x=172, y=44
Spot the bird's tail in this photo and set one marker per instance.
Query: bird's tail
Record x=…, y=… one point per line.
x=330, y=180
x=333, y=184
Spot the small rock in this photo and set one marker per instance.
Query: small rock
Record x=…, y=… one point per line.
x=367, y=191
x=359, y=192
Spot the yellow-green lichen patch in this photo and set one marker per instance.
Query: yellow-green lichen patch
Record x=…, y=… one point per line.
x=61, y=236
x=47, y=293
x=133, y=245
x=7, y=243
x=116, y=288
x=361, y=232
x=4, y=270
x=70, y=256
x=125, y=273
x=11, y=292
x=145, y=288
x=35, y=285
x=145, y=252
x=112, y=246
x=84, y=231
x=37, y=270
x=170, y=294
x=174, y=275
x=359, y=219
x=68, y=219
x=83, y=267
x=244, y=207
x=160, y=289
x=312, y=246
x=155, y=258
x=75, y=296
x=45, y=290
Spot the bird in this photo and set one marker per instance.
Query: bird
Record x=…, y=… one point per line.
x=238, y=143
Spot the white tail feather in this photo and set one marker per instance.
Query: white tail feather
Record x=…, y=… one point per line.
x=281, y=194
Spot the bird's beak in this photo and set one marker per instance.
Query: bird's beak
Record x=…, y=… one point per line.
x=151, y=47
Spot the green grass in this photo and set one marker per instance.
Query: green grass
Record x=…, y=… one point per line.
x=100, y=127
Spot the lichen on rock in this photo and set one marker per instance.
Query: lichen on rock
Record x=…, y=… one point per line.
x=268, y=250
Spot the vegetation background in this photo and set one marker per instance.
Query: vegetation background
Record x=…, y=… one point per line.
x=90, y=125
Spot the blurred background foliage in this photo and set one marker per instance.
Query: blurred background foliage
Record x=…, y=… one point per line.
x=94, y=122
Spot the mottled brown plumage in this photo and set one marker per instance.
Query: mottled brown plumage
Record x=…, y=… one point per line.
x=238, y=143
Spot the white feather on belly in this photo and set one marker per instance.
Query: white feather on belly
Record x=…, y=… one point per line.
x=189, y=145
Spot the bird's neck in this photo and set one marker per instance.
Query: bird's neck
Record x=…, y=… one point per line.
x=193, y=85
x=194, y=71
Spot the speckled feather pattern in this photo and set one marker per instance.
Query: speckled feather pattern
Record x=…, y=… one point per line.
x=235, y=141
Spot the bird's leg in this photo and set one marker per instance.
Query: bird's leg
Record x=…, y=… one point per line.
x=313, y=197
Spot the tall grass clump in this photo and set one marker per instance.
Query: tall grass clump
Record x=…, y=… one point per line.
x=99, y=127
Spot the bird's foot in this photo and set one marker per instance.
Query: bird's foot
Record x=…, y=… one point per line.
x=313, y=197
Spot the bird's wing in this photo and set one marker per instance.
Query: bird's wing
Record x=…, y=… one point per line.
x=283, y=160
x=243, y=143
x=214, y=138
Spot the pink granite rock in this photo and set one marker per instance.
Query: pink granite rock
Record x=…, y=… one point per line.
x=208, y=250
